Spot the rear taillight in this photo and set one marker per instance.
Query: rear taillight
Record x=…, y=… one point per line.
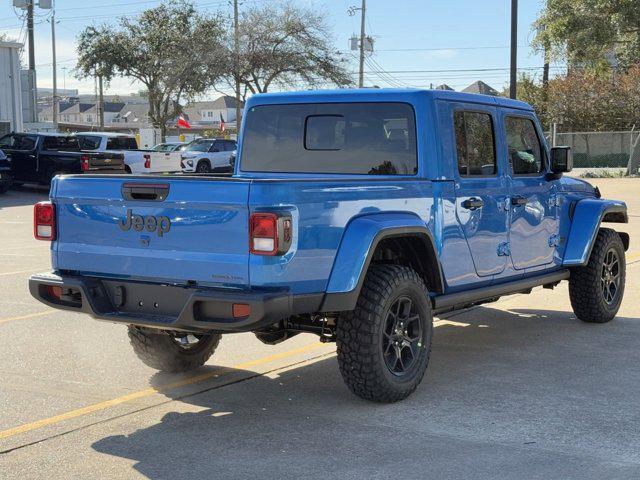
x=269, y=234
x=147, y=160
x=44, y=221
x=84, y=163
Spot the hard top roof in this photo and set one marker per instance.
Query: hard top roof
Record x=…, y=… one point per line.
x=107, y=134
x=382, y=94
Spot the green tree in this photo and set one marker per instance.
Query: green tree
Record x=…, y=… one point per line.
x=170, y=49
x=533, y=93
x=284, y=45
x=584, y=101
x=589, y=32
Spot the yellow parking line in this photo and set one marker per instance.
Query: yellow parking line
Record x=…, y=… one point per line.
x=25, y=317
x=31, y=270
x=633, y=256
x=27, y=427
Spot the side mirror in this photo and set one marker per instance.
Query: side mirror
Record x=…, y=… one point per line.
x=215, y=150
x=561, y=159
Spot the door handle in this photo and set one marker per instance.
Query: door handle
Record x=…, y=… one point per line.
x=473, y=203
x=519, y=201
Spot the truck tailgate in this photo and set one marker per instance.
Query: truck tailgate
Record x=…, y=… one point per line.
x=164, y=161
x=105, y=162
x=167, y=229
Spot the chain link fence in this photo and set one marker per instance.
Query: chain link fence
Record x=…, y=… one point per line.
x=599, y=149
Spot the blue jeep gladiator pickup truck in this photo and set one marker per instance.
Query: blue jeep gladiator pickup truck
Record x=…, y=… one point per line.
x=356, y=215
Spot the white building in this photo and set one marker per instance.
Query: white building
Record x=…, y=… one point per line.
x=10, y=90
x=210, y=113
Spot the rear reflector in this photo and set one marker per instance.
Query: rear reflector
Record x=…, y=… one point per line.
x=55, y=292
x=241, y=310
x=44, y=221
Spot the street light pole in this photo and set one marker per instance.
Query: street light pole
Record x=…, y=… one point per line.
x=32, y=64
x=514, y=50
x=55, y=70
x=236, y=48
x=362, y=38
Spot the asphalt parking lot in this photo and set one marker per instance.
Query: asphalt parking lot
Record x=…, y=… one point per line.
x=515, y=389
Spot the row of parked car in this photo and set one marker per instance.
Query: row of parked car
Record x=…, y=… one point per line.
x=38, y=157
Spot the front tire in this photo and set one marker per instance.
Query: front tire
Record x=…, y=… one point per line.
x=596, y=290
x=203, y=167
x=172, y=351
x=385, y=343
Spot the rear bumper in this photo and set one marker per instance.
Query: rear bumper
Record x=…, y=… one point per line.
x=169, y=307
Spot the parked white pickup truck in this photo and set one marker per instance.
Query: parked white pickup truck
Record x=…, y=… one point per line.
x=208, y=155
x=136, y=160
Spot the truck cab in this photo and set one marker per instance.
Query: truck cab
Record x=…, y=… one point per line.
x=356, y=215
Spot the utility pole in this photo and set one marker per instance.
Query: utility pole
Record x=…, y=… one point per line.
x=32, y=64
x=55, y=72
x=362, y=39
x=236, y=48
x=514, y=50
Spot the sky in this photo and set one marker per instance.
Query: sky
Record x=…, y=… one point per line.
x=417, y=42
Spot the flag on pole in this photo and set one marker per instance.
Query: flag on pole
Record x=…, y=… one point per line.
x=221, y=123
x=183, y=121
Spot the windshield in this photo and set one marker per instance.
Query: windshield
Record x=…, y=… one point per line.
x=199, y=146
x=165, y=147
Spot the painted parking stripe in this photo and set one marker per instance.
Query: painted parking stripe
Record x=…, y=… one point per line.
x=25, y=317
x=31, y=270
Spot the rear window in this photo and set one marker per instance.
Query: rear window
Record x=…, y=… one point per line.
x=350, y=138
x=88, y=142
x=61, y=143
x=122, y=143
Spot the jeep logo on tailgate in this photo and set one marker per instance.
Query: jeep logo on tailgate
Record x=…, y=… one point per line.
x=139, y=223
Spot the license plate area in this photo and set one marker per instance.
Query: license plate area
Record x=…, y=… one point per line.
x=147, y=299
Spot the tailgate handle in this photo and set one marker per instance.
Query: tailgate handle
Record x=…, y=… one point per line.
x=151, y=192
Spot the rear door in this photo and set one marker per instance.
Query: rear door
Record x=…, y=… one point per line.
x=481, y=187
x=219, y=153
x=534, y=221
x=173, y=231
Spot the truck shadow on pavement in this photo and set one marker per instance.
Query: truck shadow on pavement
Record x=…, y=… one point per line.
x=508, y=394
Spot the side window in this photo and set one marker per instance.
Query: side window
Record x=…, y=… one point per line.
x=27, y=143
x=475, y=145
x=324, y=132
x=218, y=146
x=8, y=141
x=525, y=152
x=231, y=146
